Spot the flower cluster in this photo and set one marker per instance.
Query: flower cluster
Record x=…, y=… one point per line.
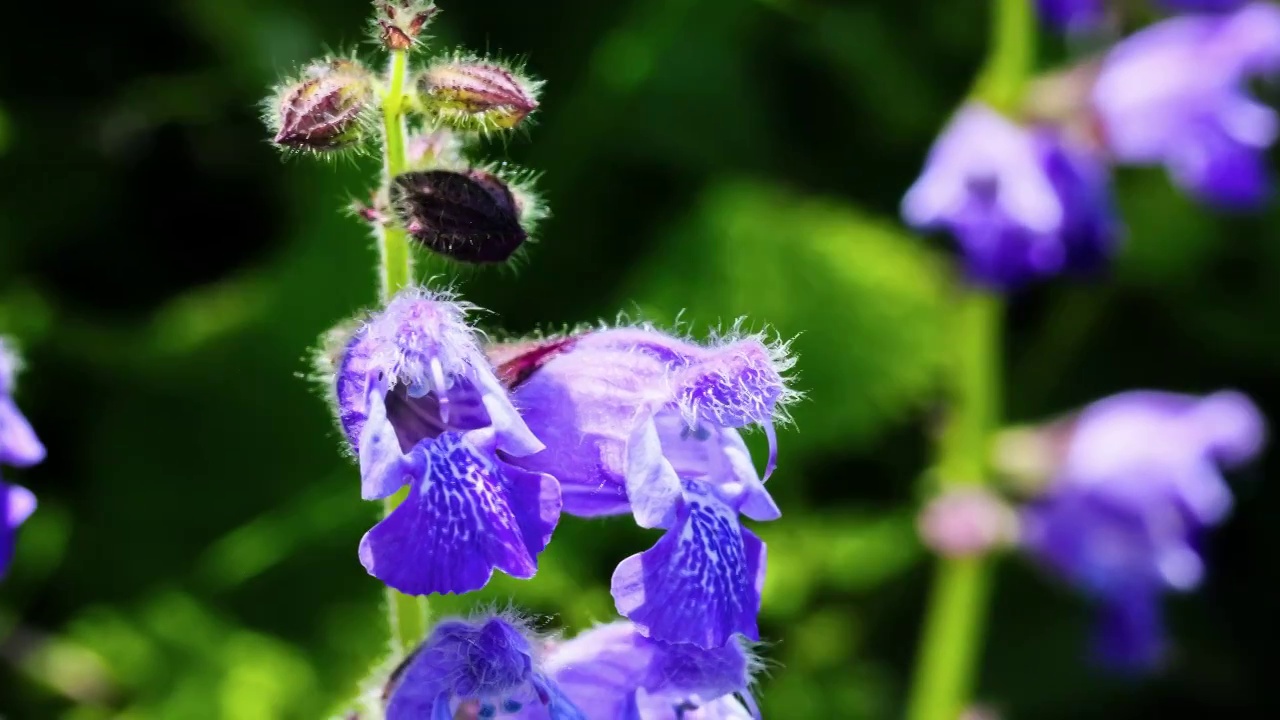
x=19, y=447
x=1025, y=191
x=1135, y=480
x=495, y=666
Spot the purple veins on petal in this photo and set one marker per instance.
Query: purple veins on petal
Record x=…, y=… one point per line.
x=700, y=583
x=467, y=513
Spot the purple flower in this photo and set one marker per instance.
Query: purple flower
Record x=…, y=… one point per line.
x=16, y=505
x=1202, y=6
x=421, y=406
x=1073, y=15
x=638, y=421
x=19, y=445
x=614, y=672
x=487, y=667
x=1138, y=483
x=1176, y=94
x=1022, y=203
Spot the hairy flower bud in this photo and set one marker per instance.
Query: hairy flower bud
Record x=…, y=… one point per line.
x=477, y=95
x=400, y=22
x=322, y=111
x=470, y=216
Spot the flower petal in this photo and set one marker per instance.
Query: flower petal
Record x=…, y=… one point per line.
x=700, y=583
x=384, y=469
x=458, y=522
x=653, y=488
x=19, y=445
x=514, y=436
x=737, y=384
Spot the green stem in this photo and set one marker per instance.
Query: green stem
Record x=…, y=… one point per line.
x=408, y=614
x=952, y=635
x=396, y=261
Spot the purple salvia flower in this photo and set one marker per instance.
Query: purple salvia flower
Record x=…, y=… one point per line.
x=19, y=445
x=1202, y=6
x=638, y=421
x=16, y=505
x=1175, y=94
x=1139, y=481
x=421, y=406
x=488, y=667
x=1073, y=15
x=1022, y=203
x=614, y=672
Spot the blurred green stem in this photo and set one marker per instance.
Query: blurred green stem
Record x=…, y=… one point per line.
x=407, y=614
x=953, y=629
x=952, y=637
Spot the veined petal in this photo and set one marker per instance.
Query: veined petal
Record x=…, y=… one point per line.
x=459, y=522
x=19, y=445
x=700, y=583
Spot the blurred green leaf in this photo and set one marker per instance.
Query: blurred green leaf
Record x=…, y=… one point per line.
x=757, y=251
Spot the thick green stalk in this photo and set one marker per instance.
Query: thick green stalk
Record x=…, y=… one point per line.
x=952, y=634
x=951, y=645
x=407, y=614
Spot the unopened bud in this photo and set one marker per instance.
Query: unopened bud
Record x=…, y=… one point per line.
x=470, y=216
x=1028, y=457
x=477, y=95
x=967, y=522
x=323, y=110
x=400, y=22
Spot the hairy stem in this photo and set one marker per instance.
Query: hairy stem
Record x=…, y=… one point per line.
x=408, y=614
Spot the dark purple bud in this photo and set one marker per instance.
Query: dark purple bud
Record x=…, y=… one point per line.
x=322, y=111
x=470, y=216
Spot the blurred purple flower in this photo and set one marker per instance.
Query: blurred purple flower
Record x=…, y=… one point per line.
x=19, y=445
x=421, y=406
x=1140, y=480
x=16, y=505
x=641, y=422
x=1022, y=203
x=488, y=667
x=1202, y=6
x=1073, y=15
x=1176, y=94
x=614, y=672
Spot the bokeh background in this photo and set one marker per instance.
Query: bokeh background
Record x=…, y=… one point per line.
x=167, y=273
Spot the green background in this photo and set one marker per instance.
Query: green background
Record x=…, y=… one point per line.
x=194, y=553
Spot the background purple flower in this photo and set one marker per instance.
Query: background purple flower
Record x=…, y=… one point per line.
x=1021, y=203
x=489, y=663
x=1176, y=94
x=1207, y=6
x=1138, y=484
x=1073, y=15
x=16, y=505
x=638, y=421
x=19, y=445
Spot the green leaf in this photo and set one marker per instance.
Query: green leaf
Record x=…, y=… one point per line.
x=879, y=294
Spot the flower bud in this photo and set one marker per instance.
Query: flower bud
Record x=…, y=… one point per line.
x=470, y=216
x=323, y=110
x=477, y=95
x=439, y=148
x=400, y=22
x=966, y=522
